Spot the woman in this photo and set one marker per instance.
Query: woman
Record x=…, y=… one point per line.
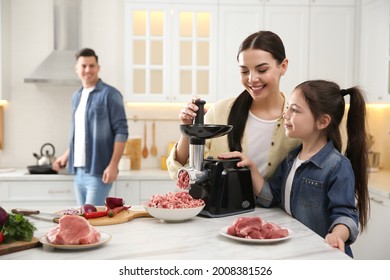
x=256, y=114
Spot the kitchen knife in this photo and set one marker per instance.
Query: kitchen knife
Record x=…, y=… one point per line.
x=37, y=214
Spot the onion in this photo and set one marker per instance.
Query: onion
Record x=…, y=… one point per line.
x=88, y=208
x=113, y=202
x=3, y=216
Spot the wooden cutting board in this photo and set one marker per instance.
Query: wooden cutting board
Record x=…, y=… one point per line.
x=121, y=217
x=17, y=246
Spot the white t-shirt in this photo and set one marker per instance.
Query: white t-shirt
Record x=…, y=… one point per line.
x=79, y=134
x=260, y=134
x=287, y=190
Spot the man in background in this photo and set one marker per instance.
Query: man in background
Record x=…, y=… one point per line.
x=98, y=133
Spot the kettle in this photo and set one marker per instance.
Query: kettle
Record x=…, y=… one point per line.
x=47, y=156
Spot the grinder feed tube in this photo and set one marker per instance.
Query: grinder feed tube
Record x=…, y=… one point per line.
x=194, y=172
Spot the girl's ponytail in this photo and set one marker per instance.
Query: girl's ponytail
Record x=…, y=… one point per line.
x=357, y=149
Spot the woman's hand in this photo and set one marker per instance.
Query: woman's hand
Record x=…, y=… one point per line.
x=245, y=161
x=188, y=113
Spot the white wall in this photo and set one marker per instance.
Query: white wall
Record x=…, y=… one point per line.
x=37, y=114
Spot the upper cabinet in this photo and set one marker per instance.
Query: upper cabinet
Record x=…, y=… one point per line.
x=175, y=49
x=170, y=53
x=319, y=38
x=375, y=53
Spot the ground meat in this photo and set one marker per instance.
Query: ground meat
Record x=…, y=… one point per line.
x=175, y=200
x=183, y=180
x=256, y=228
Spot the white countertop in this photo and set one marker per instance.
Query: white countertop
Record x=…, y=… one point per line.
x=195, y=239
x=20, y=174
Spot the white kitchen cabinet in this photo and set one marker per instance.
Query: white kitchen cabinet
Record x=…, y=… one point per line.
x=318, y=37
x=332, y=44
x=61, y=193
x=374, y=243
x=235, y=23
x=37, y=193
x=281, y=19
x=169, y=51
x=374, y=52
x=129, y=191
x=18, y=189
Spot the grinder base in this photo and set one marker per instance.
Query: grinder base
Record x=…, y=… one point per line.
x=228, y=190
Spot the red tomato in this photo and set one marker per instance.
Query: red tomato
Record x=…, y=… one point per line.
x=1, y=237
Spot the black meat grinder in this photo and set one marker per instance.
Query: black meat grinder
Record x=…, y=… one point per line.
x=225, y=188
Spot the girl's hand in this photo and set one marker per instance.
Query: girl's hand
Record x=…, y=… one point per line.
x=335, y=241
x=245, y=161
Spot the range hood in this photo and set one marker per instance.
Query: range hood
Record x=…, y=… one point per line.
x=58, y=67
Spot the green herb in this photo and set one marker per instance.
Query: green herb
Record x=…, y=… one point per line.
x=17, y=228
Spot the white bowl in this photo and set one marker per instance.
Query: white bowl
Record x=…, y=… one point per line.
x=173, y=215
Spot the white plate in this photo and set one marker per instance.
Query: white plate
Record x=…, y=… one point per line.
x=173, y=215
x=104, y=237
x=223, y=232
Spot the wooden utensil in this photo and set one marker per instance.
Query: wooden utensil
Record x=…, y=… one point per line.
x=145, y=151
x=153, y=150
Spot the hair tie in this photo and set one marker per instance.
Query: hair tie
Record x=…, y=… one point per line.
x=343, y=92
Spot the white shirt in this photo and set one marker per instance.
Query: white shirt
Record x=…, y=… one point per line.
x=79, y=135
x=260, y=134
x=287, y=190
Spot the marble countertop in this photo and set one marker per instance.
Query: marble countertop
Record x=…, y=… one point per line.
x=20, y=174
x=195, y=239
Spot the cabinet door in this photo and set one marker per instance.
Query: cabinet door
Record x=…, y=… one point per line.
x=374, y=243
x=35, y=194
x=236, y=22
x=290, y=23
x=147, y=55
x=169, y=51
x=129, y=191
x=331, y=45
x=375, y=54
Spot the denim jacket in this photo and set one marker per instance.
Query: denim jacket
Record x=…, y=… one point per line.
x=105, y=124
x=322, y=192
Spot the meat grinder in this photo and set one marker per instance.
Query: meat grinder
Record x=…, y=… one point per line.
x=225, y=188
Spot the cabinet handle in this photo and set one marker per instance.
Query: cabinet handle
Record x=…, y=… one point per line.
x=59, y=191
x=376, y=200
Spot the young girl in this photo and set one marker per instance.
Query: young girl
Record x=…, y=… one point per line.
x=316, y=184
